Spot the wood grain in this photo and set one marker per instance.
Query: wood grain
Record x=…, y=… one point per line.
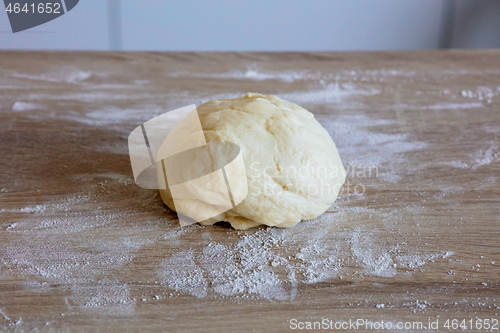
x=81, y=246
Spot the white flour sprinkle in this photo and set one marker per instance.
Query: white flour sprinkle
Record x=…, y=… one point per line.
x=481, y=93
x=115, y=116
x=269, y=263
x=22, y=106
x=67, y=75
x=58, y=243
x=105, y=293
x=368, y=151
x=439, y=106
x=331, y=93
x=380, y=73
x=251, y=74
x=188, y=277
x=260, y=74
x=454, y=106
x=482, y=156
x=94, y=96
x=266, y=263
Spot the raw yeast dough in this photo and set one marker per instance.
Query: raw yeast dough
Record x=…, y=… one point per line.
x=293, y=169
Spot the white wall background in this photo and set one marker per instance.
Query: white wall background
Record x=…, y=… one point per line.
x=254, y=25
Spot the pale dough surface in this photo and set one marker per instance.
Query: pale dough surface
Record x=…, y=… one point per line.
x=294, y=171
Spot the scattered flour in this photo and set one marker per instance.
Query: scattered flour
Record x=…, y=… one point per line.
x=59, y=243
x=456, y=164
x=251, y=74
x=65, y=246
x=270, y=263
x=417, y=305
x=329, y=93
x=479, y=158
x=106, y=293
x=481, y=93
x=68, y=75
x=454, y=106
x=483, y=157
x=439, y=106
x=187, y=277
x=115, y=118
x=111, y=115
x=22, y=106
x=384, y=72
x=260, y=74
x=366, y=152
x=95, y=96
x=332, y=93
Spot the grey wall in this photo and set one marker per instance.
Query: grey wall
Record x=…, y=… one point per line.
x=280, y=25
x=477, y=24
x=249, y=25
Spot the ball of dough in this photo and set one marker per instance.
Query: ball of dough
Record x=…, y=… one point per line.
x=293, y=169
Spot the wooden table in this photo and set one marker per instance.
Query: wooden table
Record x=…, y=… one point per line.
x=414, y=236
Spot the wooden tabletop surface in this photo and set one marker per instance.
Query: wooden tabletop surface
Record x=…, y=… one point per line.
x=414, y=236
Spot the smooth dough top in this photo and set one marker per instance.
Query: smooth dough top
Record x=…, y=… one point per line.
x=294, y=171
